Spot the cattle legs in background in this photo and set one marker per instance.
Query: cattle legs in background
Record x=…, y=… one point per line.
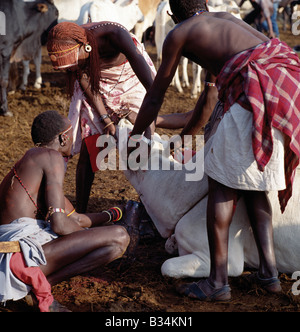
x=26, y=71
x=4, y=74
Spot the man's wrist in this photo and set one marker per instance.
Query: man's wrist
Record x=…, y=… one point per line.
x=102, y=117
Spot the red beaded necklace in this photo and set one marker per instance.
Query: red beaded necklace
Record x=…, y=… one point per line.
x=38, y=210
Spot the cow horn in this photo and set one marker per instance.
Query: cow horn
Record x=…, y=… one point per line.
x=42, y=7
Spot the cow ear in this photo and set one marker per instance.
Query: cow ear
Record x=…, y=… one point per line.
x=42, y=7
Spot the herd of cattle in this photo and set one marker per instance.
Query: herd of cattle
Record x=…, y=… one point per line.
x=183, y=221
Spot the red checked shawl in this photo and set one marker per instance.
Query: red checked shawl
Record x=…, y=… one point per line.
x=266, y=81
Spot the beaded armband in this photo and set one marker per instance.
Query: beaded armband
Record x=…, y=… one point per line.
x=53, y=210
x=209, y=83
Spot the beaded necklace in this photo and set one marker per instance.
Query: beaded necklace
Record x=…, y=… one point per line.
x=118, y=81
x=38, y=210
x=200, y=12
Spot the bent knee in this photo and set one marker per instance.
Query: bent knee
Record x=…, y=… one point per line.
x=122, y=238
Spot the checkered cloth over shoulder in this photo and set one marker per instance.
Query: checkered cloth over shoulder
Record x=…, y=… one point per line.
x=266, y=81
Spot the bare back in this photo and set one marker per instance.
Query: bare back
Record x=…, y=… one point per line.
x=212, y=38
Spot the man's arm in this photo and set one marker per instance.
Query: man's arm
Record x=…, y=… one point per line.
x=122, y=41
x=54, y=197
x=96, y=101
x=155, y=96
x=85, y=220
x=204, y=108
x=173, y=120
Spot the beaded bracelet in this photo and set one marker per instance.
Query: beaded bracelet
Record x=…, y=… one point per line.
x=68, y=215
x=135, y=139
x=109, y=214
x=115, y=214
x=138, y=140
x=209, y=83
x=103, y=116
x=53, y=210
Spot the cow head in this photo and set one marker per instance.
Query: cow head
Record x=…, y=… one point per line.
x=47, y=6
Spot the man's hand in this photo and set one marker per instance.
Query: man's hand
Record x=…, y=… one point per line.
x=138, y=150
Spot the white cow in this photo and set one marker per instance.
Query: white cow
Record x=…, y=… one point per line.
x=125, y=12
x=191, y=237
x=178, y=210
x=148, y=8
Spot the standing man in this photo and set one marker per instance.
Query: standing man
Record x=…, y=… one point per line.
x=256, y=145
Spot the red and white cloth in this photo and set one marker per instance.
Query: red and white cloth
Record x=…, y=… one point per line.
x=265, y=80
x=121, y=91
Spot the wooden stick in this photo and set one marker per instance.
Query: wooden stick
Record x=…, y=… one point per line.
x=11, y=246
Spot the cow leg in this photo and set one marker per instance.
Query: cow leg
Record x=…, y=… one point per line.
x=176, y=81
x=260, y=215
x=26, y=72
x=4, y=75
x=185, y=76
x=196, y=80
x=187, y=266
x=38, y=76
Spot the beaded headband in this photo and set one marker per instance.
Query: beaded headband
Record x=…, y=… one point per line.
x=65, y=131
x=66, y=58
x=69, y=49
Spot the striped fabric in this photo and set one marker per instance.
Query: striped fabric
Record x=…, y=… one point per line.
x=266, y=81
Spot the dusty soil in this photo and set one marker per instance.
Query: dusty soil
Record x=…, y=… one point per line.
x=121, y=286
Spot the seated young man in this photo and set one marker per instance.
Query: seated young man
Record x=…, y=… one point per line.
x=35, y=212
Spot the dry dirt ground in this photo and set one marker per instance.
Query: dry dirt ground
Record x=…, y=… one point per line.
x=121, y=287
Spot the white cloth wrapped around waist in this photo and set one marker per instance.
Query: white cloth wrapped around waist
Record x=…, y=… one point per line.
x=229, y=157
x=31, y=234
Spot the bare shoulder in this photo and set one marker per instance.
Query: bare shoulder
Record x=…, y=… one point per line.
x=176, y=36
x=42, y=153
x=232, y=19
x=52, y=159
x=48, y=160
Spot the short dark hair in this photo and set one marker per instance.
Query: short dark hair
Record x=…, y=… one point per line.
x=184, y=9
x=46, y=126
